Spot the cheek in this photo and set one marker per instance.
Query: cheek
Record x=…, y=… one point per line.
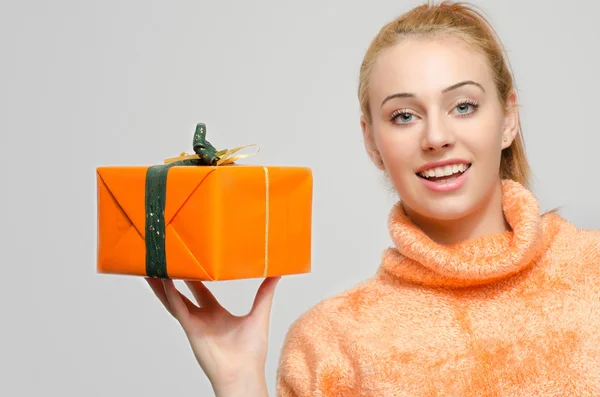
x=395, y=145
x=398, y=151
x=484, y=141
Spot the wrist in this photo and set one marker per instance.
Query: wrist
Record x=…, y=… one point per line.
x=251, y=383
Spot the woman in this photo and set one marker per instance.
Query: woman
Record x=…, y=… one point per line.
x=480, y=295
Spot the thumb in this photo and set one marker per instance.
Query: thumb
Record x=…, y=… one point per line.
x=264, y=298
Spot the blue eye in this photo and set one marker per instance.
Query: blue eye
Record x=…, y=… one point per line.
x=405, y=116
x=402, y=117
x=463, y=107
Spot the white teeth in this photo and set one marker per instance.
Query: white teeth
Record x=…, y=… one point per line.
x=447, y=170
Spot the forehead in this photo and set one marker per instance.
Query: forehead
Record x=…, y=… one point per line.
x=425, y=66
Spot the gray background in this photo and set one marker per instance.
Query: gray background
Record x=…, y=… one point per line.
x=124, y=82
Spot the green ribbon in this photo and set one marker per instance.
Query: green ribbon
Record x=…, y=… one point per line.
x=156, y=197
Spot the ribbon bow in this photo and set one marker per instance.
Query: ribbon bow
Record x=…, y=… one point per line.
x=206, y=154
x=156, y=194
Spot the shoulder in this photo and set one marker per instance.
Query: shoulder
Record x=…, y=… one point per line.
x=313, y=357
x=574, y=244
x=334, y=314
x=575, y=237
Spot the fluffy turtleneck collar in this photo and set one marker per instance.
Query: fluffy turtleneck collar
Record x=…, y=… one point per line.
x=418, y=259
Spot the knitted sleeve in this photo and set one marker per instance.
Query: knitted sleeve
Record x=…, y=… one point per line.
x=312, y=361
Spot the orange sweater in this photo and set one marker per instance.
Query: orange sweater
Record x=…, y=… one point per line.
x=512, y=314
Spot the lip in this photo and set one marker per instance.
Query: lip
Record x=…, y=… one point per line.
x=449, y=186
x=441, y=163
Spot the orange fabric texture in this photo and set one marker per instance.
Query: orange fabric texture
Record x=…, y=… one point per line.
x=511, y=314
x=219, y=224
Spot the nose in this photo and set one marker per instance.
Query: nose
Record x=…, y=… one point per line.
x=437, y=135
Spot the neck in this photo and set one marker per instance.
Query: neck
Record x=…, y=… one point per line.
x=486, y=258
x=487, y=219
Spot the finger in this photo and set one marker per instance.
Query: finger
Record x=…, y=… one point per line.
x=181, y=305
x=202, y=294
x=159, y=290
x=264, y=298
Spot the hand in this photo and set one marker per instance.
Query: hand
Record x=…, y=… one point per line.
x=231, y=350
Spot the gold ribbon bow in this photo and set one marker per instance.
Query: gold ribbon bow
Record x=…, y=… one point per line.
x=225, y=155
x=206, y=152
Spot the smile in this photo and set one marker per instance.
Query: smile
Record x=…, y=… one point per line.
x=446, y=176
x=445, y=173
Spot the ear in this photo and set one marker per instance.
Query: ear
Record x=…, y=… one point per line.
x=511, y=121
x=370, y=145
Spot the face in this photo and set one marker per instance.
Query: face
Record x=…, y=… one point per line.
x=438, y=128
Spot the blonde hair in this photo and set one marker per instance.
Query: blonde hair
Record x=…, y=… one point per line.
x=460, y=20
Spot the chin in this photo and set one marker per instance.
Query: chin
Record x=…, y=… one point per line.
x=445, y=209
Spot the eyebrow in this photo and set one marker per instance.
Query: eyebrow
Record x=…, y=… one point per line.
x=452, y=87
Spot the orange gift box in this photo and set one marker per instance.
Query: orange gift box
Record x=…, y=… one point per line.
x=220, y=222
